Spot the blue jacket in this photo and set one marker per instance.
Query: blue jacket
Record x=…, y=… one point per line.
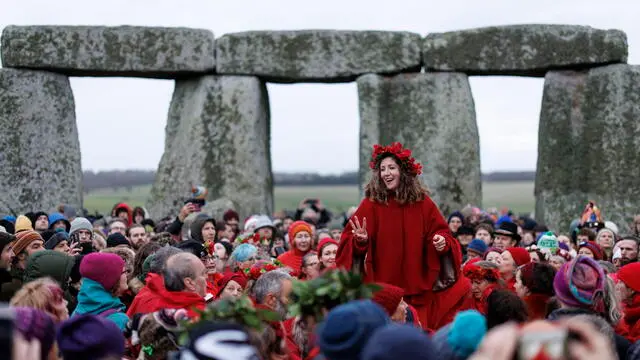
x=94, y=299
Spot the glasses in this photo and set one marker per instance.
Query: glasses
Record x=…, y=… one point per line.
x=312, y=264
x=253, y=258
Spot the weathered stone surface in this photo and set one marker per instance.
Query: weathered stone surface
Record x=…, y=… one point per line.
x=40, y=158
x=612, y=134
x=434, y=116
x=529, y=50
x=110, y=51
x=217, y=135
x=317, y=55
x=560, y=190
x=589, y=136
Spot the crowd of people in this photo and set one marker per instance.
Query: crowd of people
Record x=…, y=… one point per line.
x=390, y=278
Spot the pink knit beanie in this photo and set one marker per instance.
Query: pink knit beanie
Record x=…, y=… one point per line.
x=103, y=268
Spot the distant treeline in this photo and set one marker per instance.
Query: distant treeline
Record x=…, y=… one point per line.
x=130, y=178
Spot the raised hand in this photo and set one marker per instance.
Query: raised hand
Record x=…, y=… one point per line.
x=439, y=242
x=359, y=231
x=74, y=249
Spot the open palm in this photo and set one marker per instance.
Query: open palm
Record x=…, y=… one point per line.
x=359, y=231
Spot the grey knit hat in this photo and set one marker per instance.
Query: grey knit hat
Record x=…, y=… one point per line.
x=80, y=223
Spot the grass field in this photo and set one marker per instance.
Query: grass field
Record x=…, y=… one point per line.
x=517, y=196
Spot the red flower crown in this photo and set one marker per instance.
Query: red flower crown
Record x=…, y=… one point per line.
x=396, y=149
x=257, y=270
x=473, y=271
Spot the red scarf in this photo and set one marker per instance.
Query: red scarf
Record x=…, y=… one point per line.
x=293, y=259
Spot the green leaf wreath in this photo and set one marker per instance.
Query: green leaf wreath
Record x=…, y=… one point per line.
x=334, y=287
x=236, y=310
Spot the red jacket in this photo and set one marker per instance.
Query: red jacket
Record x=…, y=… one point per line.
x=631, y=320
x=400, y=251
x=154, y=296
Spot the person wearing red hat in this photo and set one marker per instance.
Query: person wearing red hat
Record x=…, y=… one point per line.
x=391, y=298
x=300, y=243
x=231, y=285
x=512, y=258
x=398, y=236
x=485, y=278
x=628, y=287
x=327, y=250
x=591, y=249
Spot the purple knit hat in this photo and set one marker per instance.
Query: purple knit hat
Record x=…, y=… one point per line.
x=90, y=337
x=580, y=283
x=35, y=324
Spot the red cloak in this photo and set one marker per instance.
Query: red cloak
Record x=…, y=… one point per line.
x=400, y=252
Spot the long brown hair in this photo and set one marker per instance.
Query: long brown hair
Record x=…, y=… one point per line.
x=410, y=188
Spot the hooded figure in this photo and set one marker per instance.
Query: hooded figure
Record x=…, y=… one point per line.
x=53, y=264
x=198, y=224
x=55, y=217
x=118, y=208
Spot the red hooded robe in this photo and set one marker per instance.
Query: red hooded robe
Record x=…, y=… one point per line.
x=400, y=252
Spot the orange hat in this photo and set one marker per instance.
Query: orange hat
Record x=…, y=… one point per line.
x=297, y=227
x=24, y=238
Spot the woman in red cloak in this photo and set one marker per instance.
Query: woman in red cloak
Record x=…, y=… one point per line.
x=398, y=236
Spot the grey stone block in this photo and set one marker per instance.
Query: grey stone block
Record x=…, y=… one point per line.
x=560, y=190
x=612, y=135
x=134, y=51
x=217, y=135
x=40, y=158
x=529, y=50
x=434, y=116
x=317, y=55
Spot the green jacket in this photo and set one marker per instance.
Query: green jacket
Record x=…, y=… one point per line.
x=53, y=264
x=94, y=299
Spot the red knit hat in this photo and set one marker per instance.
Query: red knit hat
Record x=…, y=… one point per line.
x=520, y=255
x=103, y=268
x=237, y=277
x=388, y=297
x=595, y=249
x=324, y=242
x=628, y=274
x=297, y=227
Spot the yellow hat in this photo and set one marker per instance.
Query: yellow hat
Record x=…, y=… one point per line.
x=23, y=223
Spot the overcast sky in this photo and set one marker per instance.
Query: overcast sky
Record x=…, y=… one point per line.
x=120, y=116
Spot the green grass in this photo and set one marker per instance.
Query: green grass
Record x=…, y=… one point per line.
x=517, y=196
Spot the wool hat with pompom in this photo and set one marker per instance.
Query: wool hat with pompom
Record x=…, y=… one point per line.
x=461, y=338
x=389, y=297
x=103, y=268
x=520, y=255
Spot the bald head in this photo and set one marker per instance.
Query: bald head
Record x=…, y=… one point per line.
x=179, y=270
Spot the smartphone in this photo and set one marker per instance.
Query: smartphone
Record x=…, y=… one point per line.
x=280, y=250
x=87, y=248
x=198, y=203
x=551, y=345
x=7, y=317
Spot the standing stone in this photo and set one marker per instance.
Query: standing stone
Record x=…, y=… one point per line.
x=612, y=137
x=529, y=50
x=560, y=186
x=317, y=55
x=40, y=158
x=217, y=135
x=110, y=51
x=432, y=114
